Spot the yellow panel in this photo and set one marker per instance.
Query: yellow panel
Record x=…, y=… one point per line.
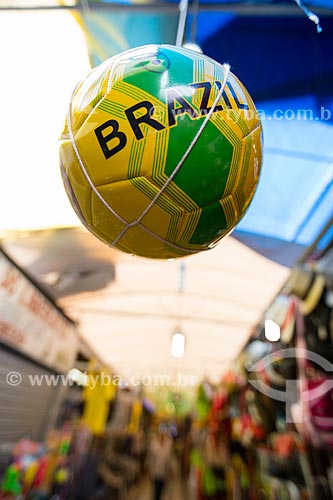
x=105, y=225
x=148, y=246
x=129, y=202
x=114, y=168
x=88, y=92
x=252, y=157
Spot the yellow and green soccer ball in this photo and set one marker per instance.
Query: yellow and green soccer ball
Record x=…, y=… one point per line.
x=134, y=120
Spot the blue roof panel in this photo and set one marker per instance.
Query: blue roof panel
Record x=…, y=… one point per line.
x=295, y=193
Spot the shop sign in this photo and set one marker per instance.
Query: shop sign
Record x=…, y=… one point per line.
x=30, y=323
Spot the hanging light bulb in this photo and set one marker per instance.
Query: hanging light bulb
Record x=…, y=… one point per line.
x=275, y=318
x=272, y=330
x=178, y=344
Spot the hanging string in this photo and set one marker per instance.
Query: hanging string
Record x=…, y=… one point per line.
x=311, y=15
x=183, y=10
x=86, y=12
x=195, y=13
x=181, y=287
x=181, y=283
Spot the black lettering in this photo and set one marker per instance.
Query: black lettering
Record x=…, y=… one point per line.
x=173, y=98
x=146, y=118
x=223, y=96
x=105, y=139
x=207, y=87
x=239, y=104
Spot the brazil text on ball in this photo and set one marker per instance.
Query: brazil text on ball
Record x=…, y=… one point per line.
x=176, y=106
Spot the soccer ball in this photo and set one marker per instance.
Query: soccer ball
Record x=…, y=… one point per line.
x=161, y=151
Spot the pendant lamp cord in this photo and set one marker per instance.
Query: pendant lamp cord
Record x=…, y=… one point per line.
x=183, y=10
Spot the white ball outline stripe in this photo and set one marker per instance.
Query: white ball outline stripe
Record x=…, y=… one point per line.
x=137, y=222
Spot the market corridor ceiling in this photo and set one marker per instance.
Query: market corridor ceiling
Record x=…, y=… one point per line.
x=129, y=307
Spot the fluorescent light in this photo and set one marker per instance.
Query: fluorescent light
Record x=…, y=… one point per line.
x=272, y=330
x=178, y=345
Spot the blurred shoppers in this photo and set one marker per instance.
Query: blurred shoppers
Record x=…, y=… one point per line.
x=159, y=459
x=88, y=480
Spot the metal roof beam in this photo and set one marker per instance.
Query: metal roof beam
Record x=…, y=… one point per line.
x=239, y=9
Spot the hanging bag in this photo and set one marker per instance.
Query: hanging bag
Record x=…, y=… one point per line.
x=314, y=411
